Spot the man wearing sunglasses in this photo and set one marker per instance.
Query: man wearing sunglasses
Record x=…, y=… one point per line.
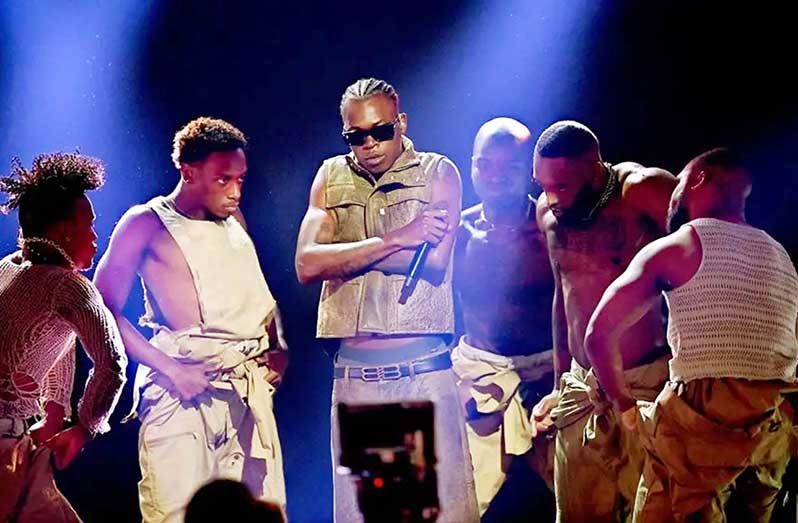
x=369, y=213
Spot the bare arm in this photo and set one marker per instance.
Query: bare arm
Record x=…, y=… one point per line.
x=561, y=356
x=317, y=258
x=277, y=357
x=559, y=322
x=461, y=240
x=663, y=264
x=559, y=330
x=116, y=272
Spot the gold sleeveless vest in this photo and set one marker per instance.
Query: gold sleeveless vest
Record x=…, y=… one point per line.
x=368, y=303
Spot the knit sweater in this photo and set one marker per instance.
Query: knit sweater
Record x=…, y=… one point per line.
x=43, y=310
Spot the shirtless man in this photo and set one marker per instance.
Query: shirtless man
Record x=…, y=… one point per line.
x=595, y=216
x=207, y=376
x=368, y=213
x=721, y=422
x=503, y=285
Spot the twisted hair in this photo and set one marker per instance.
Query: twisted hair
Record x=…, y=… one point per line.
x=366, y=88
x=45, y=194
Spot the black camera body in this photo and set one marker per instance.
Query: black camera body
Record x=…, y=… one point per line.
x=390, y=450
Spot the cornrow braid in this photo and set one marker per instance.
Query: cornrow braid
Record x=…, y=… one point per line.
x=366, y=88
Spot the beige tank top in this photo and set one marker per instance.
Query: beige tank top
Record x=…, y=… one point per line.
x=234, y=298
x=736, y=317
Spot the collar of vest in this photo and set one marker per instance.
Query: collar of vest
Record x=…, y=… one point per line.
x=401, y=171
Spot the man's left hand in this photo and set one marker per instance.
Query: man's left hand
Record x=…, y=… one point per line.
x=629, y=419
x=277, y=363
x=67, y=444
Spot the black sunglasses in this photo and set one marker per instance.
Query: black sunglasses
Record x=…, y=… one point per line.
x=381, y=133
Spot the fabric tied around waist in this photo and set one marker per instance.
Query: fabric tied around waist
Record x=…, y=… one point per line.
x=492, y=382
x=232, y=368
x=581, y=396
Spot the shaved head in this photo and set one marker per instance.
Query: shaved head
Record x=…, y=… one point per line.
x=713, y=184
x=503, y=131
x=501, y=165
x=568, y=139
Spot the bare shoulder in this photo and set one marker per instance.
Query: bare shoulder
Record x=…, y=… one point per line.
x=636, y=178
x=543, y=216
x=673, y=259
x=647, y=189
x=139, y=219
x=446, y=169
x=445, y=184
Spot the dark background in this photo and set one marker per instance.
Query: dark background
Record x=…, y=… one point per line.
x=657, y=81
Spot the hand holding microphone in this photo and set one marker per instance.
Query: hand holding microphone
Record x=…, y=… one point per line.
x=424, y=232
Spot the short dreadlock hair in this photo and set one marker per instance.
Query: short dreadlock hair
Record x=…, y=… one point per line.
x=46, y=193
x=203, y=136
x=366, y=88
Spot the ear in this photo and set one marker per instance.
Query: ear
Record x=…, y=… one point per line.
x=188, y=172
x=699, y=180
x=402, y=123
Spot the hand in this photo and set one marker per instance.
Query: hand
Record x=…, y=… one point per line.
x=189, y=380
x=43, y=431
x=67, y=444
x=277, y=362
x=48, y=427
x=541, y=413
x=430, y=226
x=629, y=419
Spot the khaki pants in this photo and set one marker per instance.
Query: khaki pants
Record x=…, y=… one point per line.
x=597, y=462
x=499, y=392
x=707, y=437
x=183, y=447
x=27, y=489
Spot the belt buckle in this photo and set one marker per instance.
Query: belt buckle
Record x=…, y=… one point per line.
x=387, y=373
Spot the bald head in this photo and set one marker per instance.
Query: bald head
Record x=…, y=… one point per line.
x=501, y=164
x=506, y=131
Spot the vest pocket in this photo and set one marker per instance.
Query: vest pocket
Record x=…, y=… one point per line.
x=404, y=205
x=349, y=208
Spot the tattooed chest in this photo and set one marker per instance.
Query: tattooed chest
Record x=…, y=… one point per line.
x=604, y=246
